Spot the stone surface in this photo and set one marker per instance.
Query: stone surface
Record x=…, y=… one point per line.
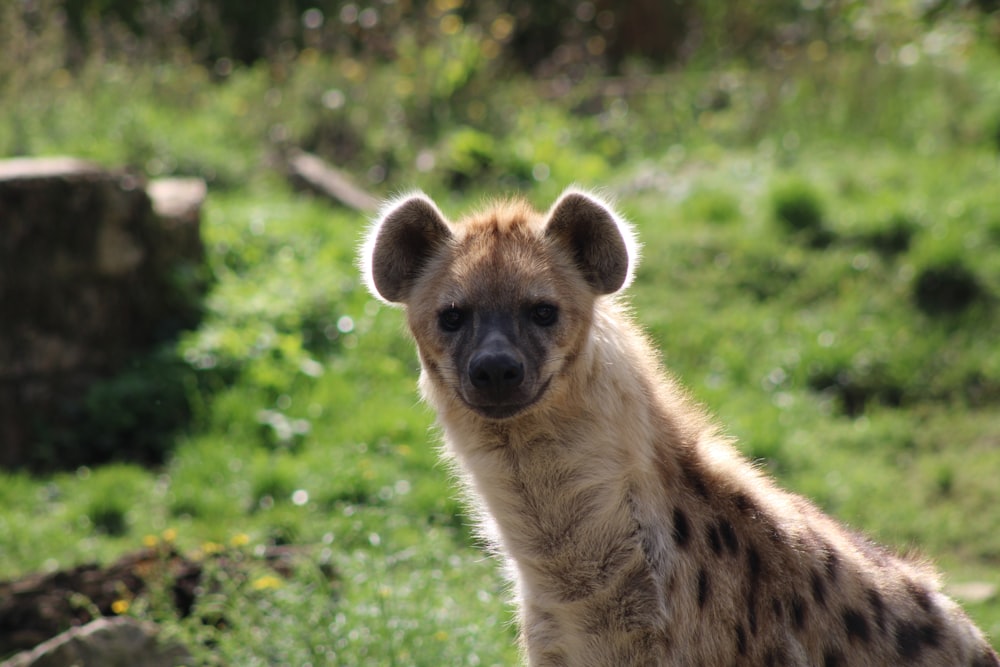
x=94, y=268
x=37, y=607
x=106, y=642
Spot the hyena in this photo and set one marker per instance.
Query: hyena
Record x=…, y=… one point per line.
x=635, y=533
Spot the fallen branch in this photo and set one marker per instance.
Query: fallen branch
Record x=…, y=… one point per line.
x=314, y=174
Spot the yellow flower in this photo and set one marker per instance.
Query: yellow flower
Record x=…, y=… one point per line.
x=447, y=5
x=440, y=635
x=169, y=535
x=150, y=541
x=309, y=56
x=120, y=606
x=240, y=540
x=451, y=24
x=209, y=548
x=266, y=582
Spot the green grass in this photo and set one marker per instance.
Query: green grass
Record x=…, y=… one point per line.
x=801, y=260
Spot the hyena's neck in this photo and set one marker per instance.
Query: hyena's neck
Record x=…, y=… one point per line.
x=576, y=477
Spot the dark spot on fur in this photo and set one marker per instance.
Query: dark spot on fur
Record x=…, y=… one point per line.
x=920, y=595
x=818, y=589
x=910, y=638
x=745, y=504
x=714, y=539
x=753, y=588
x=775, y=534
x=907, y=640
x=728, y=534
x=856, y=625
x=777, y=608
x=753, y=563
x=696, y=479
x=832, y=658
x=775, y=657
x=878, y=609
x=741, y=640
x=931, y=634
x=799, y=612
x=682, y=530
x=702, y=588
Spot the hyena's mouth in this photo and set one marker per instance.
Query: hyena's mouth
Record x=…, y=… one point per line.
x=502, y=407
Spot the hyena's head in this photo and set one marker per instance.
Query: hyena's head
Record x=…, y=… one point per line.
x=501, y=303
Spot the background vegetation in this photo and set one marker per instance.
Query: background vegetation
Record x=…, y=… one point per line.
x=815, y=184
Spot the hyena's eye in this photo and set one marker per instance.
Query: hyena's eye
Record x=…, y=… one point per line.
x=451, y=319
x=544, y=314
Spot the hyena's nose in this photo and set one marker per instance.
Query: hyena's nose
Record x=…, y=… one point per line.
x=496, y=372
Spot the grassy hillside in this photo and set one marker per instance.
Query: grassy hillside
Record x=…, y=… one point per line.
x=821, y=267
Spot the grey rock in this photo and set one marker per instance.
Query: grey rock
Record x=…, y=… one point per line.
x=106, y=642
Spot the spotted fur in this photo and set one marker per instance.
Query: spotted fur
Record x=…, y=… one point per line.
x=635, y=533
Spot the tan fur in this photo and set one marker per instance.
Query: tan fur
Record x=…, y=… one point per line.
x=636, y=535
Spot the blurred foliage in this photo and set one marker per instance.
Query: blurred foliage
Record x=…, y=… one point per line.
x=528, y=35
x=435, y=92
x=134, y=415
x=799, y=210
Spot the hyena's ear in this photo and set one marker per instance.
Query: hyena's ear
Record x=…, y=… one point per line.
x=601, y=241
x=409, y=232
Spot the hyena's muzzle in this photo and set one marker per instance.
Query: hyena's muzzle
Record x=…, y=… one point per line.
x=496, y=367
x=498, y=377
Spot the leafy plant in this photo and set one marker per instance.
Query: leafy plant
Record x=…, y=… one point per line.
x=945, y=288
x=798, y=208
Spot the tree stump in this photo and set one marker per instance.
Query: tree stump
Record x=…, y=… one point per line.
x=95, y=268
